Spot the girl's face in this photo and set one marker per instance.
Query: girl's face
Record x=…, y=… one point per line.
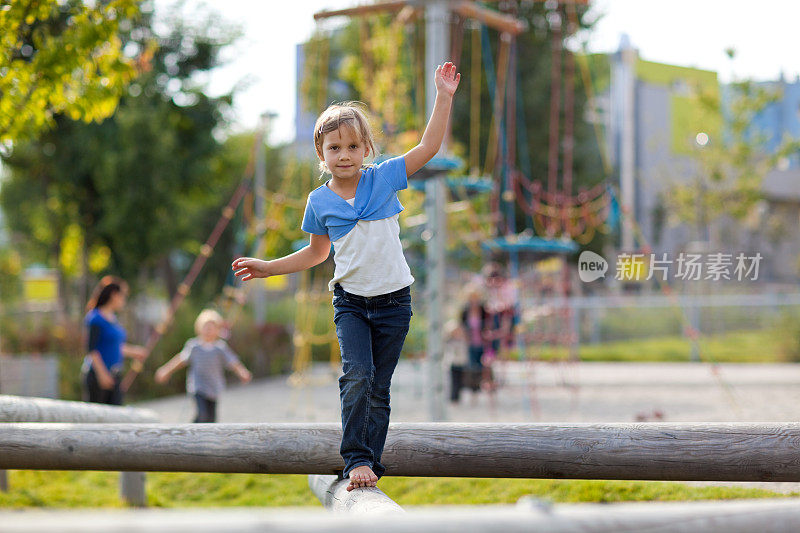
x=343, y=153
x=117, y=300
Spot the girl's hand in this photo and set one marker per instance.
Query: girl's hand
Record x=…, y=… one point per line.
x=447, y=79
x=249, y=268
x=245, y=376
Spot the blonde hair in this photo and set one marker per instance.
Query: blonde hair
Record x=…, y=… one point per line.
x=206, y=316
x=351, y=115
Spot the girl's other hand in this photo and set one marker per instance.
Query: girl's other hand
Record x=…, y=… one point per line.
x=447, y=79
x=249, y=268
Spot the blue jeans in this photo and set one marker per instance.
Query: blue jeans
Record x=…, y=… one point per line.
x=371, y=332
x=475, y=354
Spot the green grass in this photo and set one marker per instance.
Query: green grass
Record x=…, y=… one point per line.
x=53, y=489
x=762, y=346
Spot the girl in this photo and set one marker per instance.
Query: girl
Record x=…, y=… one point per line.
x=103, y=365
x=207, y=356
x=357, y=209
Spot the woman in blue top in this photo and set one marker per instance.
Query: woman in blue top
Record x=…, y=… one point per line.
x=103, y=365
x=357, y=210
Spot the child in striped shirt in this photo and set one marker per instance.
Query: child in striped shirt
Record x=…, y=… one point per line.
x=207, y=356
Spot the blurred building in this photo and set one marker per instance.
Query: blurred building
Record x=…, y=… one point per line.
x=781, y=119
x=656, y=127
x=305, y=117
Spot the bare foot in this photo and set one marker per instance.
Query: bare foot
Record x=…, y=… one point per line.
x=362, y=476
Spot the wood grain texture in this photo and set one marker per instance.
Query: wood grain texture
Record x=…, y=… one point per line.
x=15, y=409
x=333, y=494
x=24, y=409
x=657, y=451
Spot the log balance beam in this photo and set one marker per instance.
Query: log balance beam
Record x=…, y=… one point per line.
x=333, y=495
x=648, y=451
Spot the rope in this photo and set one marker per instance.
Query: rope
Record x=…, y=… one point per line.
x=205, y=252
x=555, y=102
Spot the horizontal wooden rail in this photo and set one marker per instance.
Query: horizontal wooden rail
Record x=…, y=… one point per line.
x=333, y=494
x=25, y=409
x=763, y=516
x=657, y=451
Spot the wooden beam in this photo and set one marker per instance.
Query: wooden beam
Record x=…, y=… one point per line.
x=360, y=11
x=499, y=21
x=333, y=494
x=25, y=409
x=657, y=451
x=763, y=516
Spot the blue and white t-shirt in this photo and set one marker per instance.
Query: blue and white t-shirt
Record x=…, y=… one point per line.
x=364, y=230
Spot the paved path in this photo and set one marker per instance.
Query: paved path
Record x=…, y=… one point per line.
x=539, y=392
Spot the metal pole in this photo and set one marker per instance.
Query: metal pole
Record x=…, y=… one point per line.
x=624, y=95
x=259, y=303
x=260, y=296
x=437, y=38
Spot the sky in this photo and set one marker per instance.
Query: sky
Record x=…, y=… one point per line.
x=692, y=33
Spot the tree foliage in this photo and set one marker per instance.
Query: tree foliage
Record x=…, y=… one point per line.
x=730, y=169
x=140, y=188
x=61, y=57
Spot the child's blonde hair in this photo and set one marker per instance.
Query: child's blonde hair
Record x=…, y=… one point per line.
x=351, y=115
x=206, y=316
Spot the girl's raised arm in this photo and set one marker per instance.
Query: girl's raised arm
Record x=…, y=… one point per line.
x=446, y=79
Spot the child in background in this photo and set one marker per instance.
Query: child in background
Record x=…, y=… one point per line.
x=207, y=356
x=357, y=210
x=475, y=324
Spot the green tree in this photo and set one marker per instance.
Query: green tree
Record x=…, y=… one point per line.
x=730, y=168
x=61, y=57
x=141, y=184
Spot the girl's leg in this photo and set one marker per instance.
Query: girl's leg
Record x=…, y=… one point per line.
x=355, y=384
x=93, y=389
x=389, y=329
x=115, y=394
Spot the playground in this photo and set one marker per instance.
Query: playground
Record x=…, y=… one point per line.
x=496, y=278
